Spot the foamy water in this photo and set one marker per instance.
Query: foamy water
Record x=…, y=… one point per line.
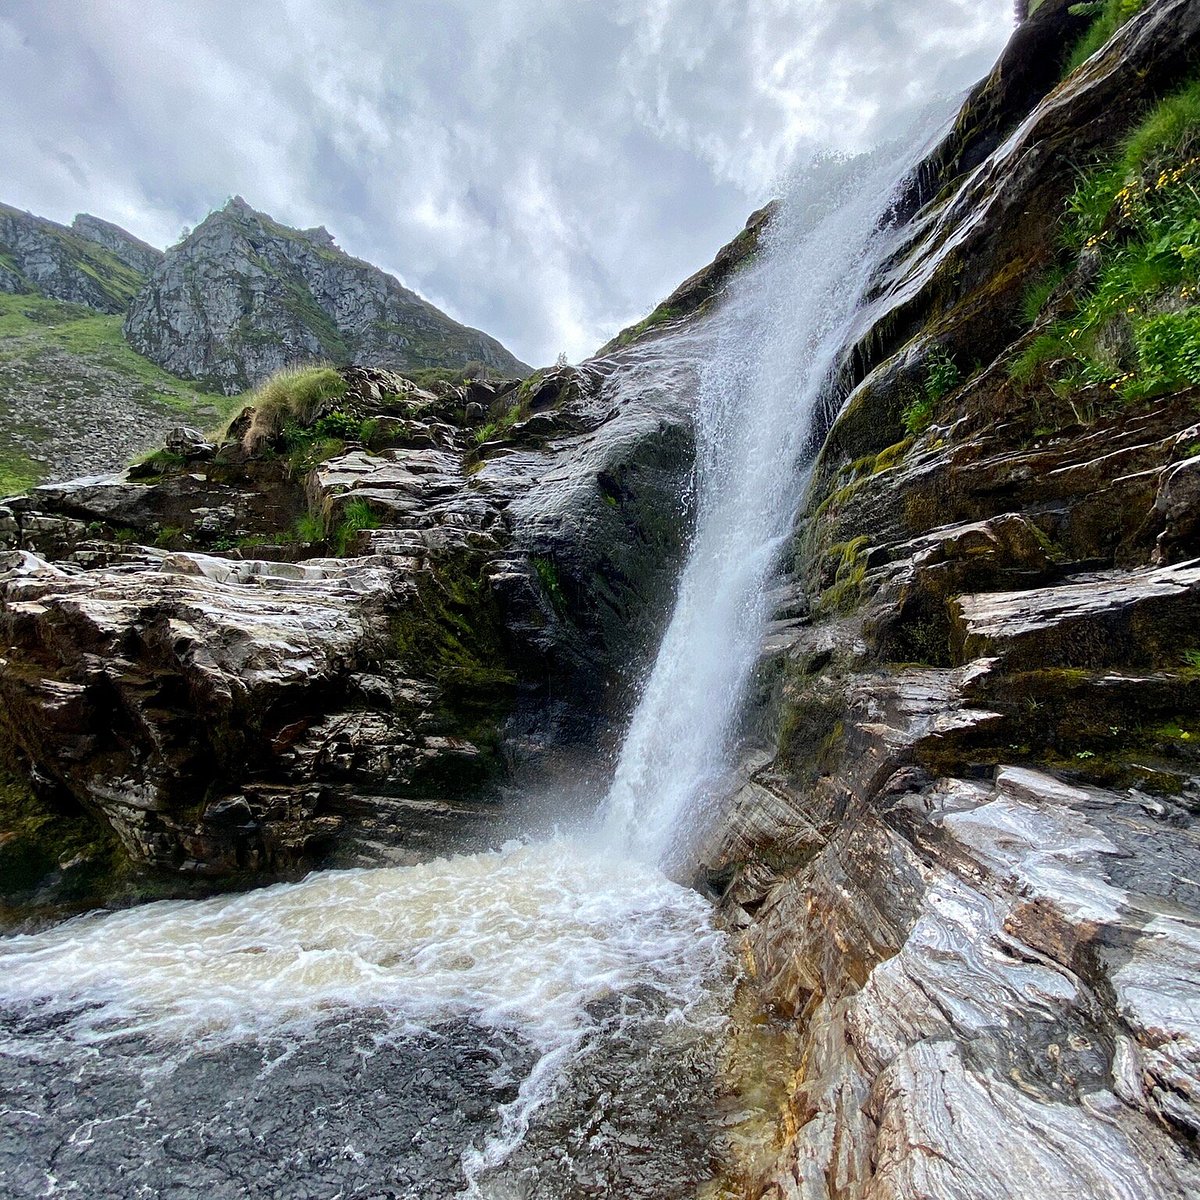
x=527, y=940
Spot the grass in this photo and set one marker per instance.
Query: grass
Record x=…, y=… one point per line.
x=1108, y=17
x=29, y=324
x=356, y=516
x=1135, y=331
x=291, y=398
x=18, y=473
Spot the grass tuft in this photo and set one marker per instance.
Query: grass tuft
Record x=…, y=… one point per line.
x=294, y=395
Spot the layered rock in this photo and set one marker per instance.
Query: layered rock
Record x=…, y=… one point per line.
x=965, y=877
x=133, y=252
x=92, y=263
x=232, y=701
x=242, y=296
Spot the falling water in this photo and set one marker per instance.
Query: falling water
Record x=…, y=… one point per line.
x=784, y=324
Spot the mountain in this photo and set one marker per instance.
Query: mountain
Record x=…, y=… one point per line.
x=93, y=262
x=106, y=343
x=242, y=296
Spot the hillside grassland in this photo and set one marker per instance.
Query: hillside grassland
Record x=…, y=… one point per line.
x=75, y=398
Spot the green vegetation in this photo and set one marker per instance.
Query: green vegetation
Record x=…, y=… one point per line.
x=1108, y=16
x=1038, y=294
x=48, y=348
x=18, y=472
x=37, y=842
x=941, y=377
x=356, y=516
x=114, y=280
x=547, y=574
x=31, y=326
x=660, y=316
x=291, y=400
x=452, y=630
x=850, y=573
x=1135, y=331
x=309, y=530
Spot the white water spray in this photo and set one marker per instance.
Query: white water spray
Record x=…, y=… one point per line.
x=783, y=325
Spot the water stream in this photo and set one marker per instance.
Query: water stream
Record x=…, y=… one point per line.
x=544, y=1019
x=784, y=324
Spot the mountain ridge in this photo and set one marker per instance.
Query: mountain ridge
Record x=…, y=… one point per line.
x=243, y=295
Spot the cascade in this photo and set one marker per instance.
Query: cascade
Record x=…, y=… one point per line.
x=783, y=328
x=461, y=1023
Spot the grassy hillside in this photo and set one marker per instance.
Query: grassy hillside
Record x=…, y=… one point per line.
x=76, y=399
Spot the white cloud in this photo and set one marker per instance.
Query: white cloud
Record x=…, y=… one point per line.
x=543, y=169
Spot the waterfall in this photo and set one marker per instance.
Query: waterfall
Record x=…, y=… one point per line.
x=783, y=326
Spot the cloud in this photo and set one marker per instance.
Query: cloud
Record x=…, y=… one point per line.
x=543, y=169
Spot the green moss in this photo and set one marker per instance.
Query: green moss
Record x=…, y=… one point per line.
x=452, y=631
x=850, y=572
x=43, y=847
x=547, y=574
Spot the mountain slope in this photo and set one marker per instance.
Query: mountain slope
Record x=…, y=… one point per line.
x=243, y=295
x=93, y=263
x=75, y=399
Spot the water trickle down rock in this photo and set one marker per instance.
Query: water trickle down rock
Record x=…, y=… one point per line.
x=966, y=878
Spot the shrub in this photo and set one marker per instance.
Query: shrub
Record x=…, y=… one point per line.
x=294, y=395
x=941, y=376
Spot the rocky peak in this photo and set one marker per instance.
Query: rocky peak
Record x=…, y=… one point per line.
x=93, y=263
x=133, y=252
x=243, y=295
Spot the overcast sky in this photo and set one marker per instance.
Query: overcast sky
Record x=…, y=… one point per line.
x=545, y=170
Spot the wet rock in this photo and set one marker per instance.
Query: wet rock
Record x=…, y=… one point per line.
x=965, y=882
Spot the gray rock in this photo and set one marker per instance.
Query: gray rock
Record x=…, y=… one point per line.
x=78, y=265
x=242, y=296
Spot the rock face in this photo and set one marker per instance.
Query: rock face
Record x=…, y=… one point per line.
x=963, y=859
x=232, y=701
x=964, y=866
x=243, y=295
x=133, y=252
x=92, y=263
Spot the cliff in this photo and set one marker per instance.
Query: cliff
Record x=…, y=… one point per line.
x=242, y=296
x=92, y=263
x=964, y=864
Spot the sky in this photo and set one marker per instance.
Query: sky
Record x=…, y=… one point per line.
x=545, y=170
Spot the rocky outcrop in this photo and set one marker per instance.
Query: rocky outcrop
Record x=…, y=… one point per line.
x=963, y=872
x=92, y=263
x=133, y=252
x=242, y=296
x=188, y=663
x=701, y=290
